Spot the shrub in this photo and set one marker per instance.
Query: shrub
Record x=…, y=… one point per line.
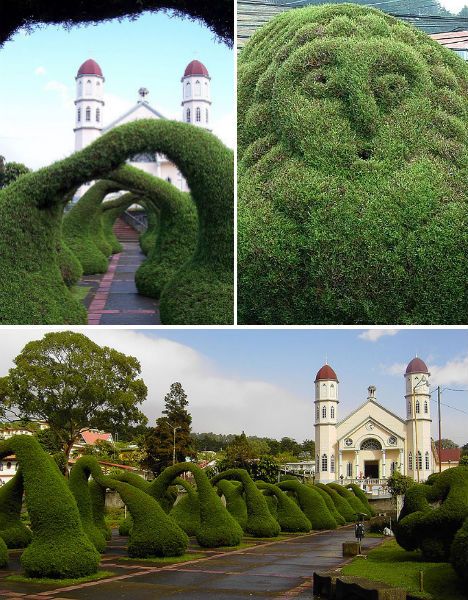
x=148, y=238
x=288, y=514
x=110, y=211
x=312, y=504
x=361, y=495
x=459, y=552
x=186, y=512
x=235, y=503
x=260, y=522
x=31, y=286
x=351, y=498
x=352, y=124
x=98, y=505
x=3, y=554
x=340, y=520
x=341, y=504
x=70, y=267
x=378, y=524
x=13, y=531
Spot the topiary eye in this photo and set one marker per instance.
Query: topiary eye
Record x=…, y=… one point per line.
x=390, y=89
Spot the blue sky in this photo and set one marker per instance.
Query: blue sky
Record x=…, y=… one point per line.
x=38, y=71
x=261, y=380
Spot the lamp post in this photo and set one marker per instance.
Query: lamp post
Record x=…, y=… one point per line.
x=174, y=429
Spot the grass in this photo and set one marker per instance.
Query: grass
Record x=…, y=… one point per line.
x=391, y=564
x=61, y=582
x=166, y=560
x=79, y=292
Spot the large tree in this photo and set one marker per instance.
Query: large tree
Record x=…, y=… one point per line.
x=173, y=426
x=10, y=171
x=73, y=383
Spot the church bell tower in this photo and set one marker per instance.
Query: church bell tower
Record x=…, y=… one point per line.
x=89, y=104
x=196, y=95
x=326, y=416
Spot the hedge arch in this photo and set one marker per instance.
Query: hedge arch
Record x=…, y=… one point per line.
x=13, y=531
x=110, y=212
x=433, y=513
x=59, y=547
x=340, y=520
x=260, y=522
x=148, y=238
x=311, y=503
x=217, y=526
x=98, y=504
x=352, y=126
x=288, y=514
x=177, y=232
x=31, y=286
x=78, y=228
x=459, y=552
x=361, y=496
x=186, y=512
x=350, y=497
x=235, y=503
x=341, y=504
x=70, y=267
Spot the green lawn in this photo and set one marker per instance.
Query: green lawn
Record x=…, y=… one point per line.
x=80, y=292
x=60, y=582
x=393, y=565
x=166, y=560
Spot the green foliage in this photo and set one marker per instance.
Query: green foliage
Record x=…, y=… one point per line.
x=12, y=530
x=10, y=172
x=3, y=554
x=186, y=512
x=353, y=500
x=340, y=520
x=360, y=494
x=459, y=552
x=288, y=514
x=97, y=495
x=70, y=267
x=311, y=503
x=110, y=211
x=235, y=503
x=72, y=383
x=399, y=484
x=352, y=147
x=342, y=505
x=446, y=444
x=49, y=440
x=463, y=461
x=148, y=238
x=260, y=522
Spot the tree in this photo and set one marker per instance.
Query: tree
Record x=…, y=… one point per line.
x=49, y=440
x=399, y=484
x=447, y=444
x=176, y=424
x=73, y=383
x=464, y=461
x=10, y=171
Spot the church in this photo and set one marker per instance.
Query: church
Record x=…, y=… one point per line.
x=90, y=113
x=372, y=442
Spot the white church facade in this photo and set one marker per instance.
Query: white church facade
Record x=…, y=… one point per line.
x=372, y=442
x=90, y=113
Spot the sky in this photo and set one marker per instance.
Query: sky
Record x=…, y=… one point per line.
x=261, y=380
x=39, y=69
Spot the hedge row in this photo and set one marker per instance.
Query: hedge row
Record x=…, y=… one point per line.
x=311, y=503
x=340, y=520
x=110, y=212
x=186, y=512
x=235, y=503
x=12, y=530
x=351, y=498
x=288, y=514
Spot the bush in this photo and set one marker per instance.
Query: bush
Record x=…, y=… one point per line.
x=98, y=505
x=31, y=286
x=311, y=503
x=13, y=531
x=235, y=503
x=341, y=504
x=148, y=238
x=110, y=212
x=70, y=266
x=459, y=552
x=351, y=125
x=288, y=514
x=340, y=520
x=361, y=496
x=379, y=523
x=351, y=498
x=186, y=512
x=3, y=554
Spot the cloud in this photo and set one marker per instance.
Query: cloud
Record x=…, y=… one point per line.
x=62, y=90
x=395, y=369
x=372, y=335
x=40, y=71
x=454, y=372
x=224, y=129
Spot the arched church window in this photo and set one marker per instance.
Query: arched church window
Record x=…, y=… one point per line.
x=332, y=412
x=409, y=409
x=426, y=408
x=188, y=88
x=324, y=412
x=349, y=469
x=332, y=463
x=88, y=113
x=418, y=407
x=317, y=413
x=187, y=115
x=197, y=88
x=98, y=115
x=410, y=461
x=419, y=460
x=198, y=115
x=332, y=391
x=317, y=463
x=324, y=462
x=428, y=464
x=78, y=116
x=206, y=113
x=371, y=444
x=89, y=87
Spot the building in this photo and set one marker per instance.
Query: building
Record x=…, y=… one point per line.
x=90, y=114
x=372, y=442
x=454, y=40
x=449, y=457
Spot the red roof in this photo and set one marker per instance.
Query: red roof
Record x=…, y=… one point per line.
x=450, y=454
x=455, y=40
x=326, y=372
x=91, y=437
x=196, y=68
x=90, y=67
x=417, y=366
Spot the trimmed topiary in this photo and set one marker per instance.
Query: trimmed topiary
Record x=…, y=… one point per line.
x=352, y=160
x=459, y=552
x=148, y=238
x=186, y=512
x=70, y=267
x=110, y=212
x=361, y=495
x=341, y=504
x=311, y=503
x=288, y=514
x=98, y=504
x=217, y=526
x=3, y=554
x=235, y=503
x=350, y=497
x=340, y=520
x=31, y=286
x=13, y=531
x=260, y=522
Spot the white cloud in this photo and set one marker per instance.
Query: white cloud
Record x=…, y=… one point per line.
x=225, y=129
x=395, y=369
x=372, y=335
x=62, y=90
x=454, y=372
x=40, y=70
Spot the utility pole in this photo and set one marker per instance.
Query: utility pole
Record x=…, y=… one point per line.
x=440, y=430
x=174, y=429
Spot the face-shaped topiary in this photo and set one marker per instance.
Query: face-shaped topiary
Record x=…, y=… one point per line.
x=352, y=131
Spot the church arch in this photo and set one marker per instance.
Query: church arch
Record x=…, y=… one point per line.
x=197, y=88
x=88, y=87
x=371, y=444
x=198, y=115
x=88, y=113
x=188, y=117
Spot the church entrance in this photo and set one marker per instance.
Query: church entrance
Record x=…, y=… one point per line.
x=371, y=469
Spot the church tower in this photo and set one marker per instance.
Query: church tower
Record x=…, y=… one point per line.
x=326, y=415
x=89, y=103
x=196, y=95
x=418, y=420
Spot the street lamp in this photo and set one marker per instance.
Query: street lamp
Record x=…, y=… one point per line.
x=174, y=429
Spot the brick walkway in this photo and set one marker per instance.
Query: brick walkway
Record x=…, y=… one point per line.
x=113, y=298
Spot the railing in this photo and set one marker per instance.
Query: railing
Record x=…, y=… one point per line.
x=138, y=221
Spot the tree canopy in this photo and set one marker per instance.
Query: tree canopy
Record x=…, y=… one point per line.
x=10, y=171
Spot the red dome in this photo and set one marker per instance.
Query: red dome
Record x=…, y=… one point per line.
x=90, y=67
x=417, y=366
x=196, y=68
x=326, y=372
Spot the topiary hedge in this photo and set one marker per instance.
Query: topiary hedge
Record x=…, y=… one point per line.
x=459, y=552
x=110, y=212
x=311, y=503
x=186, y=512
x=3, y=554
x=341, y=504
x=350, y=497
x=148, y=238
x=288, y=514
x=361, y=496
x=98, y=505
x=235, y=503
x=13, y=531
x=70, y=267
x=352, y=160
x=31, y=286
x=340, y=520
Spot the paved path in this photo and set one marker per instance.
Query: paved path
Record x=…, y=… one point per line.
x=113, y=298
x=276, y=570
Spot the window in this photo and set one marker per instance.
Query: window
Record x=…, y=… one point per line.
x=419, y=460
x=324, y=412
x=332, y=412
x=332, y=391
x=78, y=115
x=428, y=463
x=371, y=444
x=349, y=469
x=206, y=112
x=324, y=462
x=197, y=88
x=410, y=461
x=89, y=87
x=418, y=407
x=332, y=463
x=426, y=408
x=8, y=465
x=187, y=116
x=393, y=467
x=317, y=413
x=88, y=114
x=188, y=89
x=198, y=115
x=409, y=409
x=98, y=115
x=317, y=463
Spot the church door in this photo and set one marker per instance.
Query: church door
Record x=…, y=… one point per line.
x=371, y=469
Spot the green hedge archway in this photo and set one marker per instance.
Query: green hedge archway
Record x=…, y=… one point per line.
x=12, y=530
x=235, y=503
x=311, y=503
x=288, y=514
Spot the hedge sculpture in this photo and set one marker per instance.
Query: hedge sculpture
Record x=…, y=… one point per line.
x=351, y=498
x=177, y=233
x=186, y=512
x=352, y=146
x=59, y=546
x=341, y=504
x=235, y=503
x=360, y=494
x=31, y=286
x=340, y=520
x=98, y=505
x=288, y=514
x=459, y=552
x=433, y=513
x=217, y=526
x=260, y=522
x=311, y=503
x=3, y=554
x=148, y=238
x=78, y=231
x=13, y=531
x=70, y=267
x=110, y=212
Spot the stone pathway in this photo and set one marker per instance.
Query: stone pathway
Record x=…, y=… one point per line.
x=279, y=570
x=113, y=298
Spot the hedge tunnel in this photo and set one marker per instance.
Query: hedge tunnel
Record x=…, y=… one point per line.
x=31, y=287
x=352, y=161
x=311, y=503
x=260, y=522
x=217, y=526
x=235, y=503
x=288, y=514
x=148, y=238
x=110, y=212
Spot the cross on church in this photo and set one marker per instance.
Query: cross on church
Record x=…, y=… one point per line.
x=143, y=92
